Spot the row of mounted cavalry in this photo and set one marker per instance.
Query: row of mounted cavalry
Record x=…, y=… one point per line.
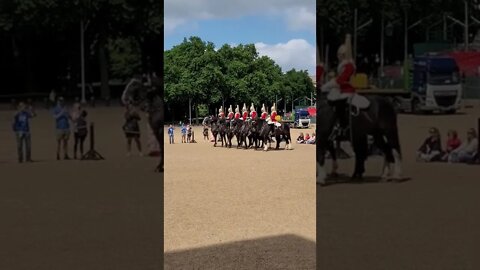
x=250, y=133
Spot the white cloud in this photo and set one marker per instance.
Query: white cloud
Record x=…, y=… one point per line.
x=298, y=14
x=296, y=53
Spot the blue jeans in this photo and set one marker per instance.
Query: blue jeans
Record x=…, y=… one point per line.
x=171, y=139
x=24, y=139
x=461, y=157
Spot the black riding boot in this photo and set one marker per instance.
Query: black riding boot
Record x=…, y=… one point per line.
x=341, y=111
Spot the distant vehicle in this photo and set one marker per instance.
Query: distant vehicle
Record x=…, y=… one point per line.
x=302, y=118
x=434, y=84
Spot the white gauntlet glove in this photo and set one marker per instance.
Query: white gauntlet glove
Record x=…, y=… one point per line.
x=329, y=85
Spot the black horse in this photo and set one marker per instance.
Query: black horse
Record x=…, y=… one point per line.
x=282, y=132
x=222, y=131
x=245, y=132
x=378, y=120
x=230, y=132
x=263, y=133
x=149, y=100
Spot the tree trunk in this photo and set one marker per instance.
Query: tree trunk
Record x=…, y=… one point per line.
x=103, y=63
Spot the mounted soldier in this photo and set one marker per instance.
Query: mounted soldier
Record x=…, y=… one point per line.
x=245, y=112
x=253, y=113
x=221, y=114
x=273, y=117
x=340, y=90
x=264, y=114
x=237, y=113
x=230, y=113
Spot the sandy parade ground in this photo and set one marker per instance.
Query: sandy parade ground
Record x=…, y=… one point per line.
x=231, y=208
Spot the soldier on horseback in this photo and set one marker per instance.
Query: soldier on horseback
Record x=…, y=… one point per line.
x=221, y=114
x=340, y=89
x=264, y=113
x=230, y=113
x=245, y=112
x=253, y=113
x=237, y=113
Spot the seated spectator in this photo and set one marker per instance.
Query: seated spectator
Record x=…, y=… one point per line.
x=453, y=142
x=312, y=139
x=467, y=151
x=431, y=149
x=307, y=137
x=300, y=138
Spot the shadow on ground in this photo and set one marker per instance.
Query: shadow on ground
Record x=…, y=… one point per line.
x=278, y=252
x=346, y=179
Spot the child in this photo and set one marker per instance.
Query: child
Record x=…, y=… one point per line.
x=132, y=129
x=170, y=134
x=21, y=128
x=79, y=128
x=468, y=150
x=184, y=134
x=431, y=149
x=189, y=133
x=205, y=132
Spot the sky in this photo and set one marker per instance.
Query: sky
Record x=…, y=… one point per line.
x=284, y=30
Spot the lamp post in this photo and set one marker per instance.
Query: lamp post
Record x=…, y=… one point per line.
x=82, y=59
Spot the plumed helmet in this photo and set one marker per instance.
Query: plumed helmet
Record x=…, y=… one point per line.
x=263, y=107
x=244, y=107
x=273, y=107
x=237, y=109
x=346, y=48
x=252, y=108
x=221, y=109
x=230, y=109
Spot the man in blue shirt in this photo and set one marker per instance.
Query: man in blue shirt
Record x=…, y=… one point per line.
x=21, y=127
x=184, y=133
x=170, y=134
x=62, y=124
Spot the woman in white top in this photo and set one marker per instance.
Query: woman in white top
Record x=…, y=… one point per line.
x=467, y=151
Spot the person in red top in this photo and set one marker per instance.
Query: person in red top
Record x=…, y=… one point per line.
x=237, y=113
x=230, y=113
x=453, y=142
x=253, y=113
x=245, y=112
x=264, y=113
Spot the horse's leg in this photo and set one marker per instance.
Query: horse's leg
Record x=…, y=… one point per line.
x=277, y=139
x=333, y=154
x=321, y=173
x=380, y=142
x=360, y=146
x=394, y=142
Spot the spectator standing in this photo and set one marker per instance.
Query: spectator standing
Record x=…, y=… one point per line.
x=171, y=134
x=79, y=128
x=132, y=129
x=21, y=127
x=184, y=133
x=62, y=124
